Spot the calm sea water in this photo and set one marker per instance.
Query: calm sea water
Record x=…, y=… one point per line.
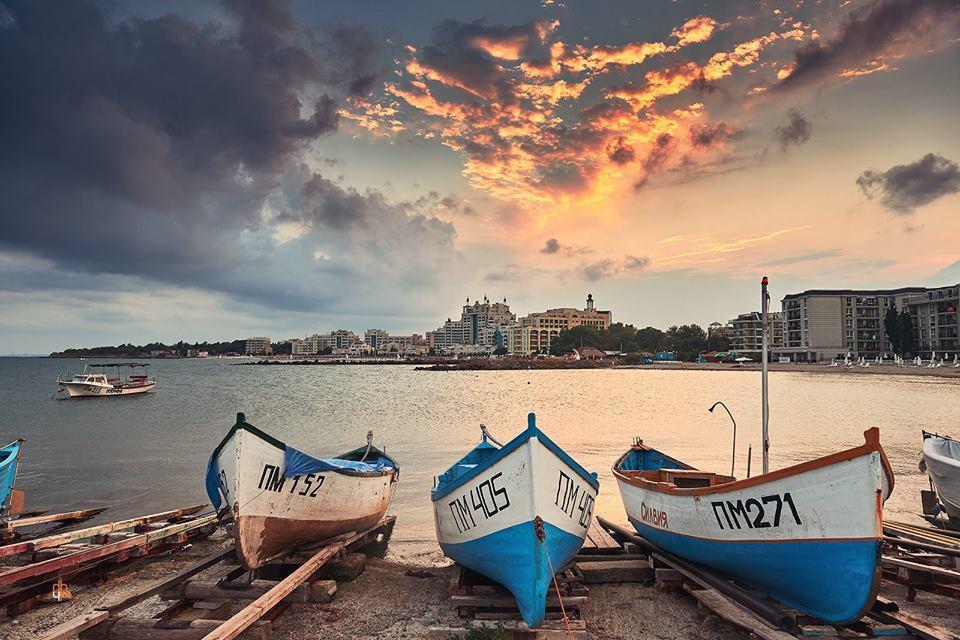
x=148, y=453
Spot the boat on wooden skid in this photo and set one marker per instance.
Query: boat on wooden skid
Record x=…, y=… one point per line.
x=808, y=535
x=280, y=498
x=516, y=513
x=11, y=500
x=941, y=462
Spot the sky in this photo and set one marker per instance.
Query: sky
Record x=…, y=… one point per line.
x=215, y=170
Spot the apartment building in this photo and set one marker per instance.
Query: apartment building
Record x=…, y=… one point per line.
x=258, y=347
x=824, y=324
x=536, y=332
x=746, y=331
x=338, y=341
x=936, y=322
x=478, y=324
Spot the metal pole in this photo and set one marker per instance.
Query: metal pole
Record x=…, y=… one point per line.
x=733, y=456
x=765, y=407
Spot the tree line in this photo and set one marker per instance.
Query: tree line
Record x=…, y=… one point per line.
x=685, y=341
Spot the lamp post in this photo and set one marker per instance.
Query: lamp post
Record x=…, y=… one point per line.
x=733, y=460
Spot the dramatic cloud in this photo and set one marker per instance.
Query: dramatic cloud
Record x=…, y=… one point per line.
x=552, y=246
x=905, y=187
x=172, y=150
x=542, y=123
x=885, y=29
x=608, y=268
x=795, y=131
x=710, y=134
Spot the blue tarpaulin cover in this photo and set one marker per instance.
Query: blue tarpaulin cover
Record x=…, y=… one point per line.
x=298, y=463
x=8, y=470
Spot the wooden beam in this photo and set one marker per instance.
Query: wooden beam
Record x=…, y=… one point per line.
x=153, y=629
x=67, y=516
x=236, y=625
x=89, y=532
x=57, y=564
x=233, y=627
x=72, y=627
x=736, y=613
x=162, y=585
x=925, y=568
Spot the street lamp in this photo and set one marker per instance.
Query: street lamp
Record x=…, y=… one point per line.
x=733, y=461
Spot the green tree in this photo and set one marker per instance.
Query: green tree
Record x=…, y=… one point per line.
x=717, y=342
x=891, y=326
x=580, y=336
x=687, y=341
x=650, y=339
x=905, y=329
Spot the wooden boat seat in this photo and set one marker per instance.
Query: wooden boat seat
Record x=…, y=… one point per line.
x=682, y=478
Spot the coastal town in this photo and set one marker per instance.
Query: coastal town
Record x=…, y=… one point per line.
x=813, y=326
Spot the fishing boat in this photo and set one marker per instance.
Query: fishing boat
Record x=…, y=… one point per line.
x=94, y=384
x=941, y=461
x=280, y=498
x=808, y=535
x=11, y=500
x=516, y=513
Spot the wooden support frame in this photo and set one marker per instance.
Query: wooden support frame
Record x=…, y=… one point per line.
x=54, y=565
x=81, y=534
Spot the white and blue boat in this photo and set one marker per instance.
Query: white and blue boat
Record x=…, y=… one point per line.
x=516, y=513
x=10, y=502
x=808, y=535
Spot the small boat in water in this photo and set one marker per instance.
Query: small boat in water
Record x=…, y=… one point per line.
x=91, y=384
x=11, y=500
x=941, y=461
x=516, y=513
x=281, y=498
x=808, y=535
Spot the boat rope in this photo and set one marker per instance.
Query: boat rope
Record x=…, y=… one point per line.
x=487, y=436
x=542, y=537
x=369, y=445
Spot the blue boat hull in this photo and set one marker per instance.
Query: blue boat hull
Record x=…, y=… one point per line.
x=835, y=580
x=515, y=558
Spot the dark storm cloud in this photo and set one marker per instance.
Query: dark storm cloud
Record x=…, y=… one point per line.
x=655, y=159
x=460, y=54
x=713, y=133
x=552, y=246
x=351, y=55
x=795, y=131
x=620, y=152
x=869, y=33
x=905, y=187
x=148, y=146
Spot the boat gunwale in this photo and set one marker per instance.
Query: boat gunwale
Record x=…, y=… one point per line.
x=243, y=425
x=531, y=432
x=871, y=444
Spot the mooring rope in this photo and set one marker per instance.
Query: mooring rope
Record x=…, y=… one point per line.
x=542, y=537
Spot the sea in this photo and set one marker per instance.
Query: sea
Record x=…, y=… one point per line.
x=148, y=453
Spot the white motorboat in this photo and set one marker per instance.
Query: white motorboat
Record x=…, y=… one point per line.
x=94, y=384
x=941, y=461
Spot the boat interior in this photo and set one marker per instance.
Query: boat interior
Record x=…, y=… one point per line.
x=648, y=464
x=475, y=457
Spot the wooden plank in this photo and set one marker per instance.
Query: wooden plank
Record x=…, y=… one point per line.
x=162, y=585
x=616, y=571
x=153, y=629
x=110, y=527
x=736, y=613
x=67, y=516
x=922, y=629
x=72, y=627
x=56, y=564
x=233, y=627
x=481, y=600
x=917, y=566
